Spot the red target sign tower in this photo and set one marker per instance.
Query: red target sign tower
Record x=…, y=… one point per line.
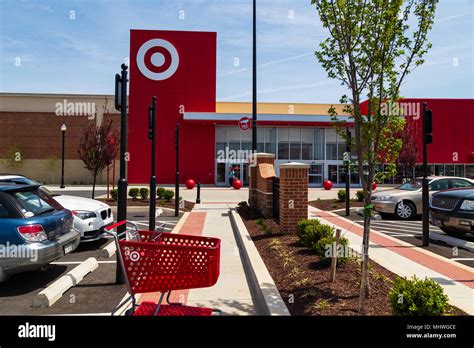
x=179, y=68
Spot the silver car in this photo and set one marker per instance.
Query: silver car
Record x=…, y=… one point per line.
x=405, y=201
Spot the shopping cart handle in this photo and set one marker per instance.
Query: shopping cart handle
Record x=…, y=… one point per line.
x=111, y=227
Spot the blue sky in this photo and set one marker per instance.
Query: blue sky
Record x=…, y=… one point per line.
x=81, y=55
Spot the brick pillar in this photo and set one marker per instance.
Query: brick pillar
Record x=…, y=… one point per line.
x=254, y=160
x=293, y=195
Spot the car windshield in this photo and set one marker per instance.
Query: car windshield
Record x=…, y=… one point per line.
x=33, y=202
x=413, y=185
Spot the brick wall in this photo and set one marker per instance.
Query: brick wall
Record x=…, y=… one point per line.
x=293, y=195
x=265, y=175
x=39, y=136
x=260, y=183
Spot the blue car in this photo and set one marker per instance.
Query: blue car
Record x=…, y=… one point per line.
x=34, y=229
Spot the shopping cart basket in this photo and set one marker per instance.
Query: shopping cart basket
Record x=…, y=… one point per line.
x=156, y=261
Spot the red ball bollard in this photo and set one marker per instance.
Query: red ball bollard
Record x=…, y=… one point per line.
x=327, y=184
x=237, y=184
x=374, y=185
x=190, y=184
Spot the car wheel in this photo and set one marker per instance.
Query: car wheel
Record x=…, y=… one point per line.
x=452, y=232
x=405, y=210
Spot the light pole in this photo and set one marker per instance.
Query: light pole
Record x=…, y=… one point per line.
x=121, y=105
x=63, y=131
x=152, y=137
x=254, y=79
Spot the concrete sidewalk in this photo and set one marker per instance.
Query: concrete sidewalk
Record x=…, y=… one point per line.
x=406, y=260
x=231, y=293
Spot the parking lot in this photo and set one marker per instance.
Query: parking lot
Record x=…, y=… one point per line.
x=96, y=294
x=459, y=249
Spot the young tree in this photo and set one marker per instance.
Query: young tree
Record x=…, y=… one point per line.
x=13, y=159
x=96, y=149
x=372, y=45
x=51, y=164
x=409, y=154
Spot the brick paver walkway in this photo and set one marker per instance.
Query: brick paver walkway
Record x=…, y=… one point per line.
x=193, y=225
x=415, y=254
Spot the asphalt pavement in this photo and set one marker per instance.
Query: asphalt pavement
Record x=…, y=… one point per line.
x=96, y=294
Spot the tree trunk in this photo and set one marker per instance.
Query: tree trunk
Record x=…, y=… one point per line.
x=93, y=185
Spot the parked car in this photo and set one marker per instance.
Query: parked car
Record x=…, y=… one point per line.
x=34, y=229
x=453, y=211
x=405, y=201
x=90, y=216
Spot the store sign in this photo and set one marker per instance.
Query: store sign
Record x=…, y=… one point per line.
x=179, y=69
x=157, y=59
x=245, y=123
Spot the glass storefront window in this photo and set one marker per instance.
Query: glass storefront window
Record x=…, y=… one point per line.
x=270, y=140
x=459, y=170
x=295, y=143
x=306, y=144
x=283, y=144
x=470, y=171
x=439, y=169
x=331, y=144
x=449, y=168
x=319, y=144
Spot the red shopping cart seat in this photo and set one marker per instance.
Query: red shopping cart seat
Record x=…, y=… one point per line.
x=148, y=308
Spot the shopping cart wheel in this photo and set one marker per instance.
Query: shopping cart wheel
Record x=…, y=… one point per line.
x=129, y=312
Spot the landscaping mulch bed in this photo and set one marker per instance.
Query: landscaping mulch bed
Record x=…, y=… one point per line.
x=303, y=280
x=333, y=204
x=188, y=206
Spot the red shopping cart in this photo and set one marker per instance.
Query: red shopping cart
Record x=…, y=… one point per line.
x=156, y=261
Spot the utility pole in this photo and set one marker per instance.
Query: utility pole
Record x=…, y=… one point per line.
x=121, y=105
x=152, y=137
x=427, y=139
x=254, y=80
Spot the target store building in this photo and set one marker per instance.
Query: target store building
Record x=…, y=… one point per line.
x=179, y=68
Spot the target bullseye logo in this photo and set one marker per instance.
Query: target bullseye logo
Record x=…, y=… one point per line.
x=134, y=256
x=157, y=59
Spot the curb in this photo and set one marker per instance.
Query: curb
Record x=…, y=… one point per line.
x=268, y=300
x=52, y=293
x=180, y=223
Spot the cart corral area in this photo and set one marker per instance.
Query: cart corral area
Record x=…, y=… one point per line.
x=95, y=294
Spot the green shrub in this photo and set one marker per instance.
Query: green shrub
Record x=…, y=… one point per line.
x=144, y=192
x=160, y=192
x=168, y=195
x=341, y=195
x=417, y=297
x=313, y=233
x=114, y=194
x=133, y=192
x=360, y=195
x=324, y=249
x=267, y=229
x=301, y=225
x=259, y=222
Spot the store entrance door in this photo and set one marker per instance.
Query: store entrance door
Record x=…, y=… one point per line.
x=223, y=173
